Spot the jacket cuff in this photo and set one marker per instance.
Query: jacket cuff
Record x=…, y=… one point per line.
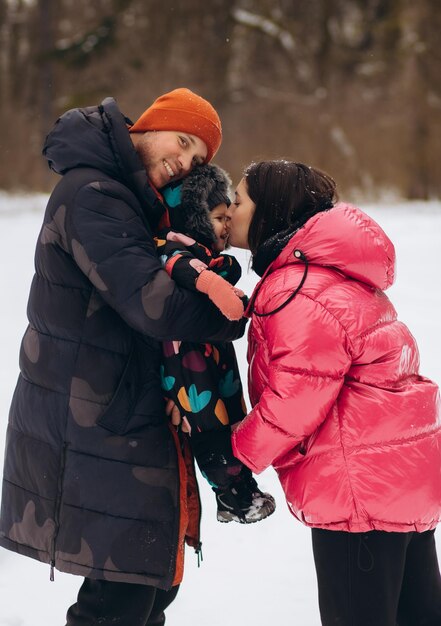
x=204, y=281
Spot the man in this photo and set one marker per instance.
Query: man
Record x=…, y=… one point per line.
x=94, y=483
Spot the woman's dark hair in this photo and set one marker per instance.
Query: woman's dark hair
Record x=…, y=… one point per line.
x=286, y=195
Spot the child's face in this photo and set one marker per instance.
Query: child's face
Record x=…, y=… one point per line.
x=218, y=217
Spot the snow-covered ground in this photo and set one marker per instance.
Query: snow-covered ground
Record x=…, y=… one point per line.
x=260, y=574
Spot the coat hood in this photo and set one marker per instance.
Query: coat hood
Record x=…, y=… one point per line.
x=81, y=138
x=205, y=188
x=98, y=137
x=347, y=240
x=191, y=200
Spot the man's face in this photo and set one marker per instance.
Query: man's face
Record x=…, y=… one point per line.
x=168, y=155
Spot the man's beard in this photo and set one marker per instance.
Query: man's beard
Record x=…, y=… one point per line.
x=144, y=150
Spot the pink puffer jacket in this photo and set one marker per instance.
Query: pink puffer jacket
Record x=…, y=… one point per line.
x=339, y=408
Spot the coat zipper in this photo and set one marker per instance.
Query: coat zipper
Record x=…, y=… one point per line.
x=57, y=512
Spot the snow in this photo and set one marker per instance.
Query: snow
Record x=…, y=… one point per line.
x=260, y=573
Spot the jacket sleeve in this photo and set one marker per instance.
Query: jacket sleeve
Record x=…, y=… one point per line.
x=226, y=266
x=184, y=264
x=309, y=355
x=111, y=245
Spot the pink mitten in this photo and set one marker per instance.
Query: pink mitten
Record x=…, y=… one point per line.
x=221, y=293
x=180, y=238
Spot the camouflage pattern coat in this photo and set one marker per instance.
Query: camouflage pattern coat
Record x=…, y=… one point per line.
x=91, y=482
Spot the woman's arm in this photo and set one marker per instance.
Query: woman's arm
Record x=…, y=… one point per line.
x=309, y=355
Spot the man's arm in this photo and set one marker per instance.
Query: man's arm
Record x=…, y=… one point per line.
x=191, y=265
x=112, y=247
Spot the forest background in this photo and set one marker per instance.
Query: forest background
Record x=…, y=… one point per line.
x=350, y=86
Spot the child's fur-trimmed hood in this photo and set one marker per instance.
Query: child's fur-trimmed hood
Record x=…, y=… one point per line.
x=202, y=190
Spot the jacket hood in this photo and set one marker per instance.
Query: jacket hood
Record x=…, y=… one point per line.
x=347, y=240
x=98, y=137
x=191, y=200
x=80, y=138
x=205, y=188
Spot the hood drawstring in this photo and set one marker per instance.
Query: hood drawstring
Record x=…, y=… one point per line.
x=299, y=255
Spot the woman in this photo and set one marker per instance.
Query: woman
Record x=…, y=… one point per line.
x=339, y=407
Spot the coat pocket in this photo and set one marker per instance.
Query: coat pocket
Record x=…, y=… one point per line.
x=117, y=415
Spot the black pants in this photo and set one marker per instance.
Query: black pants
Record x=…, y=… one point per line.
x=377, y=578
x=103, y=603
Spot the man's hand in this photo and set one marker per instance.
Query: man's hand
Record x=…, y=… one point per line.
x=178, y=421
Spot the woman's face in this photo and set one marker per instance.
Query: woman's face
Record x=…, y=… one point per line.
x=241, y=212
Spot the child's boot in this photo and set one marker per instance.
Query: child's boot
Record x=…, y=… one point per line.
x=242, y=501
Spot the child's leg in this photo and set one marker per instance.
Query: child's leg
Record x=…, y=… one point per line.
x=359, y=576
x=203, y=380
x=214, y=455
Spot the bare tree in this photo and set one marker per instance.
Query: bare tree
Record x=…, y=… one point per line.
x=351, y=86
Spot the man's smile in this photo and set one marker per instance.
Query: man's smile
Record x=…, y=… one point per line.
x=168, y=168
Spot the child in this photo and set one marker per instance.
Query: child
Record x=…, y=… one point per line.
x=202, y=379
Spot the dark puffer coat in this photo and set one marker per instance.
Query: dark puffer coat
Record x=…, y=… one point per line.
x=91, y=482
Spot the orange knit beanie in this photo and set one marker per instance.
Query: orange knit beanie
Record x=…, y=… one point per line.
x=185, y=111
